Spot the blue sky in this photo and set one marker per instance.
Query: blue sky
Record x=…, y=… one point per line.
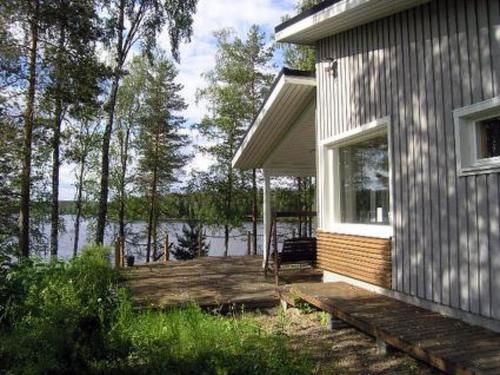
x=198, y=57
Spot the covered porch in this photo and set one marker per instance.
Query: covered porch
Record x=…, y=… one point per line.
x=281, y=143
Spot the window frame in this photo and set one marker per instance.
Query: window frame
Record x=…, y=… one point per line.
x=466, y=122
x=331, y=216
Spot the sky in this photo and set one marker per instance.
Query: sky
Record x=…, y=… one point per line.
x=198, y=57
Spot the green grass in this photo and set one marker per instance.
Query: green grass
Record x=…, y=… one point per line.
x=75, y=317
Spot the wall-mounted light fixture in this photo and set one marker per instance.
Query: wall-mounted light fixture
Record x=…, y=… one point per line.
x=333, y=66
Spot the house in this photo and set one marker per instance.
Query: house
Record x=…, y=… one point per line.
x=400, y=125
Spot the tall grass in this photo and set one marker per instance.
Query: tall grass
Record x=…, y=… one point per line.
x=75, y=317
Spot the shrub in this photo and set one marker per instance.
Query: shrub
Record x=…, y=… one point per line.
x=75, y=317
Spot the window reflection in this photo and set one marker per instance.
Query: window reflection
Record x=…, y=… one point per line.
x=364, y=182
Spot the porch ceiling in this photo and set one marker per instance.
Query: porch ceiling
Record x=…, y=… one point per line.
x=281, y=139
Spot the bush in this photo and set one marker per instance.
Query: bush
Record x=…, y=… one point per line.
x=75, y=317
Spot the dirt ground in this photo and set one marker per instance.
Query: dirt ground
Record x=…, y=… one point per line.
x=343, y=350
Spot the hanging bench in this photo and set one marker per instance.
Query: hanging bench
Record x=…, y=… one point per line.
x=295, y=250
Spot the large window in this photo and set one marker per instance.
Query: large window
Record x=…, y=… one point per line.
x=364, y=181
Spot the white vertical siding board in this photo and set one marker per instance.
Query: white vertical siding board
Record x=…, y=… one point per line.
x=477, y=96
x=464, y=81
x=494, y=35
x=456, y=103
x=484, y=53
x=375, y=81
x=344, y=82
x=411, y=120
x=473, y=55
x=381, y=68
x=451, y=297
x=483, y=244
x=484, y=48
x=424, y=273
x=473, y=245
x=494, y=249
x=417, y=156
x=350, y=73
x=403, y=153
x=433, y=263
x=395, y=124
x=441, y=157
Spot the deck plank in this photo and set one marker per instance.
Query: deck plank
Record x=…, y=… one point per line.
x=210, y=282
x=448, y=344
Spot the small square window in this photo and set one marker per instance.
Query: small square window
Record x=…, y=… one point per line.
x=488, y=136
x=477, y=132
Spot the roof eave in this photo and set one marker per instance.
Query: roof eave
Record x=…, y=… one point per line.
x=339, y=16
x=286, y=78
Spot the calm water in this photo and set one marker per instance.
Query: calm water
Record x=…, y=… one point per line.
x=136, y=237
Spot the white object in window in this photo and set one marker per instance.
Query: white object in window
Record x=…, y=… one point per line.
x=477, y=133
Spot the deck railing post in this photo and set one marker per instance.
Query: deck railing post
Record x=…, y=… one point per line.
x=249, y=243
x=275, y=248
x=122, y=251
x=117, y=254
x=200, y=244
x=166, y=252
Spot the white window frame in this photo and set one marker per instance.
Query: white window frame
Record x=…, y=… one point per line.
x=466, y=137
x=330, y=220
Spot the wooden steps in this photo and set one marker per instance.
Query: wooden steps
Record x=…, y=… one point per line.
x=448, y=344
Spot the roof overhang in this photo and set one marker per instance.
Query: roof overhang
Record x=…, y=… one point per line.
x=282, y=135
x=334, y=16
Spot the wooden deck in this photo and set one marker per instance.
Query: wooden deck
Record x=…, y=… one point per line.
x=211, y=282
x=448, y=344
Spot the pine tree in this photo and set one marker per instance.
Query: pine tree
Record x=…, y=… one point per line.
x=160, y=144
x=188, y=244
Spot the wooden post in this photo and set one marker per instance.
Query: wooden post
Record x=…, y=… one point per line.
x=122, y=251
x=275, y=246
x=200, y=243
x=117, y=254
x=249, y=243
x=166, y=251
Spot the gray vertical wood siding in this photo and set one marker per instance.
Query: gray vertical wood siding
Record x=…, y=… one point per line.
x=417, y=66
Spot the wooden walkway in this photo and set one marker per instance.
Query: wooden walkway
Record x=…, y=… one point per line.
x=448, y=344
x=211, y=282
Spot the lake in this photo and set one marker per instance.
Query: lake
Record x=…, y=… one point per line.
x=136, y=236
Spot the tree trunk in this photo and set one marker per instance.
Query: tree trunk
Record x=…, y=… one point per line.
x=79, y=207
x=24, y=215
x=56, y=140
x=151, y=221
x=103, y=195
x=124, y=160
x=226, y=239
x=254, y=211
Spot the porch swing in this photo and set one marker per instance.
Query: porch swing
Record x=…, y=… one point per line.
x=297, y=250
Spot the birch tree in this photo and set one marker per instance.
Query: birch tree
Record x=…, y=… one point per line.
x=136, y=23
x=235, y=89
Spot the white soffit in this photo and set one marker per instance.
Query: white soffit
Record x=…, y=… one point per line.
x=340, y=16
x=290, y=97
